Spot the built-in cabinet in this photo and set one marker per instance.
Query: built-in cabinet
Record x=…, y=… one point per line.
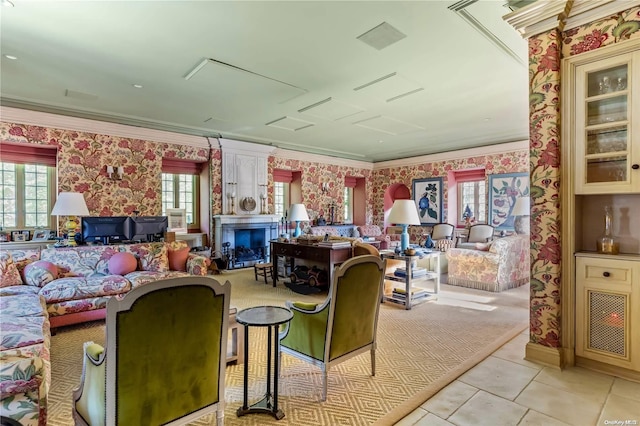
x=601, y=167
x=608, y=305
x=605, y=111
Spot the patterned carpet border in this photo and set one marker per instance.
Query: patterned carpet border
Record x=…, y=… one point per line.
x=419, y=352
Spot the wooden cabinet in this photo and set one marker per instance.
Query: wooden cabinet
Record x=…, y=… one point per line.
x=607, y=144
x=608, y=308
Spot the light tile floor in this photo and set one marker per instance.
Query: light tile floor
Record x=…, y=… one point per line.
x=505, y=389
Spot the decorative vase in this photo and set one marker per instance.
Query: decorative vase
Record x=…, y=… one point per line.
x=607, y=243
x=429, y=243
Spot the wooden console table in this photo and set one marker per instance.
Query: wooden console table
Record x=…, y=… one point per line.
x=326, y=255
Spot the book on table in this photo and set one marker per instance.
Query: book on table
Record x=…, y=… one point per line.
x=415, y=272
x=335, y=244
x=415, y=291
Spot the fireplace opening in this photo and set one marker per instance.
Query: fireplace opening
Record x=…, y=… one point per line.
x=249, y=245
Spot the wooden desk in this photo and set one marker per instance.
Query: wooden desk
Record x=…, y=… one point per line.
x=327, y=255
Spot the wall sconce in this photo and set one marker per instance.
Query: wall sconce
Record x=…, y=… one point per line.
x=115, y=173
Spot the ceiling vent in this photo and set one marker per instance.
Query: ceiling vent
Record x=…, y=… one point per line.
x=288, y=123
x=80, y=95
x=330, y=109
x=382, y=36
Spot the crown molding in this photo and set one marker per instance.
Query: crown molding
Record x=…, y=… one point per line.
x=585, y=11
x=544, y=15
x=502, y=148
x=45, y=119
x=538, y=17
x=319, y=158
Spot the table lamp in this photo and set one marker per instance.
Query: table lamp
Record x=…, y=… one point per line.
x=521, y=214
x=297, y=214
x=404, y=213
x=70, y=204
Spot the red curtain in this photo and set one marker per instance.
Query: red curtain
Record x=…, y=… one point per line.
x=28, y=154
x=469, y=175
x=280, y=175
x=350, y=181
x=181, y=167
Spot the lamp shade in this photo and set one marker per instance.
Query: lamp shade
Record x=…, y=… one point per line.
x=70, y=204
x=521, y=207
x=404, y=212
x=298, y=213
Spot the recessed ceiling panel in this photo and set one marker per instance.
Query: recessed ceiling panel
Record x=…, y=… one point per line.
x=288, y=123
x=388, y=125
x=330, y=109
x=390, y=87
x=221, y=80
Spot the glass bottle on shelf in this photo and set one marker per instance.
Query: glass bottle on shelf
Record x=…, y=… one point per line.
x=607, y=243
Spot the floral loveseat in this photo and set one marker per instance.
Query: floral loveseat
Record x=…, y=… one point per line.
x=33, y=299
x=387, y=241
x=495, y=266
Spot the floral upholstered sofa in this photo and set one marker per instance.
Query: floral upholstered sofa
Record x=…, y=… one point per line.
x=36, y=296
x=498, y=265
x=387, y=241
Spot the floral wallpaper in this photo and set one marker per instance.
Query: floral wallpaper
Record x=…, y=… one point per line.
x=493, y=164
x=545, y=53
x=314, y=174
x=83, y=158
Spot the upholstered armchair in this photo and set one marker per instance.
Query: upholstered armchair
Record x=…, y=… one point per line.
x=344, y=325
x=479, y=233
x=386, y=240
x=164, y=361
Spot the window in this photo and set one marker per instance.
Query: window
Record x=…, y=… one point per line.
x=348, y=205
x=472, y=200
x=180, y=191
x=280, y=197
x=28, y=193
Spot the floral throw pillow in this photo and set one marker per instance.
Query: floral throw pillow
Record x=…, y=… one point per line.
x=40, y=273
x=9, y=274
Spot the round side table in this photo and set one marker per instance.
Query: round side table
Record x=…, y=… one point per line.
x=270, y=317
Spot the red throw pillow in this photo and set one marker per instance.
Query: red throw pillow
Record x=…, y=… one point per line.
x=178, y=259
x=122, y=263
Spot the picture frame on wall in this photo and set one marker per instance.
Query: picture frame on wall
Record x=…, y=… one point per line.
x=503, y=191
x=427, y=194
x=177, y=220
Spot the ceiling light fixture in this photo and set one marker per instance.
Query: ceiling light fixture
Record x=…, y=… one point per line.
x=137, y=86
x=13, y=58
x=7, y=3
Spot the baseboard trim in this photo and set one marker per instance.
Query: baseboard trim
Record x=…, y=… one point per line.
x=612, y=370
x=544, y=355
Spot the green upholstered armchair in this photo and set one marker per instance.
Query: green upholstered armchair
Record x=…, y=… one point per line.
x=165, y=357
x=344, y=325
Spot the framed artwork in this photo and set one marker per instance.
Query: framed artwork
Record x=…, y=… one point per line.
x=503, y=191
x=177, y=220
x=5, y=237
x=42, y=235
x=427, y=194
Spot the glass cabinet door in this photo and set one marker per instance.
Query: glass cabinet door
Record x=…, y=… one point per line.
x=606, y=154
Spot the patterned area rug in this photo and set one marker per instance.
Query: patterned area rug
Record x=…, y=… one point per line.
x=419, y=352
